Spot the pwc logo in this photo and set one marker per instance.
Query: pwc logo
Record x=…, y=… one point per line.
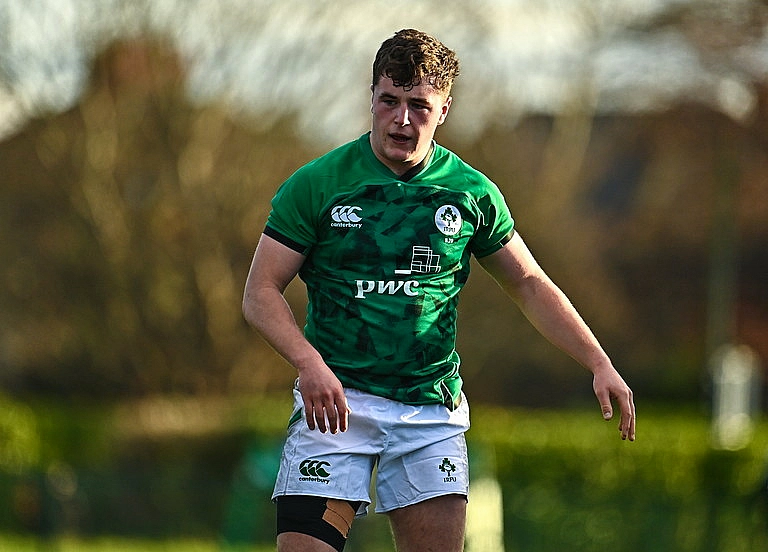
x=346, y=216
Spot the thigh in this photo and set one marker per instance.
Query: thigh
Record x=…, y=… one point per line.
x=434, y=524
x=328, y=465
x=298, y=542
x=426, y=458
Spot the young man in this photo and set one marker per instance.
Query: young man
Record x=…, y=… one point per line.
x=381, y=230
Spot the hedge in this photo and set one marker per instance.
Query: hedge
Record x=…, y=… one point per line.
x=567, y=481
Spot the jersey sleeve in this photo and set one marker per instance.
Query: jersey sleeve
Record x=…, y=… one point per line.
x=496, y=226
x=292, y=221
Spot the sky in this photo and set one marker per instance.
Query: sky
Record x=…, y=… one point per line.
x=312, y=58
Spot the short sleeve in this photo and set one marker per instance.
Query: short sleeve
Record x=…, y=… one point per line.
x=496, y=225
x=292, y=216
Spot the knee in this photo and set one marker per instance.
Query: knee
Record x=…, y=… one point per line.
x=326, y=519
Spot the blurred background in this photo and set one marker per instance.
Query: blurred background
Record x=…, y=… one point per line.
x=141, y=142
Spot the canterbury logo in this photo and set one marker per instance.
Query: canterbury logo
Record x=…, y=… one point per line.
x=314, y=468
x=345, y=215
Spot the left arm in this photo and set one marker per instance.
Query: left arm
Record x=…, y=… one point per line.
x=553, y=315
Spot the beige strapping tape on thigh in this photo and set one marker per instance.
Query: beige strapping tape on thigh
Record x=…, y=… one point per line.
x=340, y=514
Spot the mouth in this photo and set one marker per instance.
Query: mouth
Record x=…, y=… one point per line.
x=398, y=138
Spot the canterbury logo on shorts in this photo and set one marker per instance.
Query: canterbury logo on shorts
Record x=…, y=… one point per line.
x=314, y=470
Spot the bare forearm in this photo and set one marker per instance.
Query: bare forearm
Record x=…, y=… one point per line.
x=544, y=304
x=265, y=308
x=268, y=312
x=554, y=316
x=324, y=401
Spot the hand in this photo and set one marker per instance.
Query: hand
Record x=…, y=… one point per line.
x=609, y=385
x=325, y=404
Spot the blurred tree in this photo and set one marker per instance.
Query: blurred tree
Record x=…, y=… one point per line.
x=133, y=218
x=652, y=222
x=628, y=237
x=128, y=224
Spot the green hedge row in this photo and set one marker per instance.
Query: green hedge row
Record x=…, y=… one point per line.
x=570, y=483
x=567, y=481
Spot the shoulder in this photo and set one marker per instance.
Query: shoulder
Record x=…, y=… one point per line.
x=448, y=168
x=320, y=175
x=330, y=162
x=448, y=161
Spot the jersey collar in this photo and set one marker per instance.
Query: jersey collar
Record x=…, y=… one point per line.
x=406, y=176
x=416, y=169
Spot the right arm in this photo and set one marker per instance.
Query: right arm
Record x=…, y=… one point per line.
x=273, y=267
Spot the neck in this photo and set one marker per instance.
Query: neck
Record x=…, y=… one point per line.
x=416, y=169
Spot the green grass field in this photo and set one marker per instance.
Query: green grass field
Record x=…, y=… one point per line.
x=14, y=543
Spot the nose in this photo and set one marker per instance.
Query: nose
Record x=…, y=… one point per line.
x=402, y=118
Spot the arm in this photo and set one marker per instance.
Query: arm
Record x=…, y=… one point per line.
x=273, y=267
x=553, y=315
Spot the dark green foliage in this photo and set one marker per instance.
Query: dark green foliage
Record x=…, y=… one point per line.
x=568, y=481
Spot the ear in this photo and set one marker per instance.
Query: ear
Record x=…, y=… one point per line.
x=373, y=88
x=444, y=110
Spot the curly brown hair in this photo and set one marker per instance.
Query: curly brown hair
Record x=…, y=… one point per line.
x=412, y=56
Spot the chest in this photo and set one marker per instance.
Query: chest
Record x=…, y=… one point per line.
x=402, y=229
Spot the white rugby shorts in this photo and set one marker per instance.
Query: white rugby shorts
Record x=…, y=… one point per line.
x=416, y=451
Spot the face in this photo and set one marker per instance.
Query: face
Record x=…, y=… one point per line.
x=404, y=123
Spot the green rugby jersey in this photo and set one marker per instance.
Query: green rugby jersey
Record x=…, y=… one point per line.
x=386, y=258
